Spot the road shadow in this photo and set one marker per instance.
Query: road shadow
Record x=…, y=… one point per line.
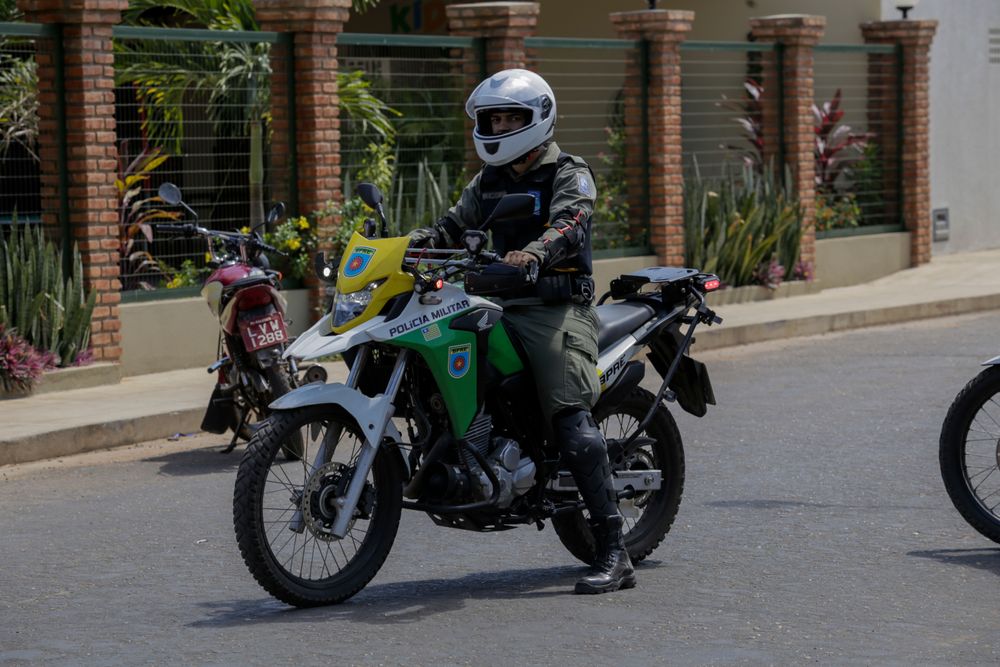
x=201, y=461
x=980, y=559
x=776, y=504
x=408, y=601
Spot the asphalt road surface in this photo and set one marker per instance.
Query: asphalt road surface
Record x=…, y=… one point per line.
x=814, y=528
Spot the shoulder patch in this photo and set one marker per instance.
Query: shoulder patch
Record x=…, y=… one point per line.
x=583, y=184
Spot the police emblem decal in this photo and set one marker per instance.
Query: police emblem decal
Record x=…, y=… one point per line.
x=358, y=261
x=583, y=184
x=458, y=360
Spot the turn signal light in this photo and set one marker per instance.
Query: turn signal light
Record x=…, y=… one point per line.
x=439, y=283
x=712, y=284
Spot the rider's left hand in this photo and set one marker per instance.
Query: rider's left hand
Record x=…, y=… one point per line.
x=519, y=258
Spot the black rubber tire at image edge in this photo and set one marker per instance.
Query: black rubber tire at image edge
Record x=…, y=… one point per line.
x=641, y=537
x=954, y=435
x=251, y=536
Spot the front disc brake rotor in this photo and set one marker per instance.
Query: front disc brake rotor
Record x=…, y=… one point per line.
x=325, y=487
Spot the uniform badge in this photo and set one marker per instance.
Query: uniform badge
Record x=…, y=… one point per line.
x=458, y=360
x=358, y=261
x=583, y=184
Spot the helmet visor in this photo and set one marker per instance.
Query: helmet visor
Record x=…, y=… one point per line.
x=505, y=120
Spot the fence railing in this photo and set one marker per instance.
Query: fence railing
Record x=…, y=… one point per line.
x=198, y=99
x=858, y=184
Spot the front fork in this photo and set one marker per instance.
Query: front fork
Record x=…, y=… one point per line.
x=373, y=428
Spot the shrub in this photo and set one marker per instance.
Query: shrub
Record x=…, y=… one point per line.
x=51, y=311
x=742, y=227
x=295, y=238
x=20, y=364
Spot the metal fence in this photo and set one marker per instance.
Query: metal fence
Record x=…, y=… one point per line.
x=423, y=163
x=191, y=109
x=723, y=91
x=20, y=186
x=588, y=79
x=857, y=143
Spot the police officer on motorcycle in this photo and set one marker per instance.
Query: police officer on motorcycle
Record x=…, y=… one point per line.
x=514, y=113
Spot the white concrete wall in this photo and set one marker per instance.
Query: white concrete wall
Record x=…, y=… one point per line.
x=965, y=119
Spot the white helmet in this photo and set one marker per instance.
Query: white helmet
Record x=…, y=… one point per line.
x=508, y=90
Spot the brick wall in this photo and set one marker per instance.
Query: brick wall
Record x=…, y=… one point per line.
x=914, y=39
x=91, y=153
x=653, y=156
x=797, y=36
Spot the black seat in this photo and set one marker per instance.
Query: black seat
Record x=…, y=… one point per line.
x=617, y=320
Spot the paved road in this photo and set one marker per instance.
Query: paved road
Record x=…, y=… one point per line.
x=814, y=528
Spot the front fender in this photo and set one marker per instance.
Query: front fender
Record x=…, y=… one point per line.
x=369, y=413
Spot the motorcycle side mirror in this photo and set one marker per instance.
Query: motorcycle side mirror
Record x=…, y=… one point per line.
x=474, y=240
x=276, y=213
x=511, y=207
x=325, y=271
x=372, y=196
x=170, y=193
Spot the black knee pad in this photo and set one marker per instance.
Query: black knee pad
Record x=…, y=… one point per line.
x=578, y=436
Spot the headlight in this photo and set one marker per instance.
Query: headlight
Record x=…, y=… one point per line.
x=348, y=306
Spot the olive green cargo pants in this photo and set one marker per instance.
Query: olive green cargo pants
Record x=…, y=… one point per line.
x=560, y=341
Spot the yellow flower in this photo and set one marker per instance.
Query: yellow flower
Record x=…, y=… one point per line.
x=176, y=282
x=303, y=223
x=294, y=244
x=208, y=257
x=244, y=230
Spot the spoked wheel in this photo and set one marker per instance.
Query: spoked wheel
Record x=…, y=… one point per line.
x=648, y=515
x=284, y=510
x=970, y=452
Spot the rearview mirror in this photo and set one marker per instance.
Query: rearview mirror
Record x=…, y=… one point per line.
x=511, y=207
x=276, y=213
x=370, y=195
x=170, y=193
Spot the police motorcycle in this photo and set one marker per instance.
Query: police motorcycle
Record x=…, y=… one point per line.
x=438, y=414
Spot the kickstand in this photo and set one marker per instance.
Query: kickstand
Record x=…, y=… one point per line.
x=236, y=433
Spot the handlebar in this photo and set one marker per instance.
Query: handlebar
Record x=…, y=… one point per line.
x=191, y=230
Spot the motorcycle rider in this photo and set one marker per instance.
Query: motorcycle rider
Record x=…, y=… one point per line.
x=514, y=112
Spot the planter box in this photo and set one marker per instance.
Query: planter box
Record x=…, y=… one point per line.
x=749, y=293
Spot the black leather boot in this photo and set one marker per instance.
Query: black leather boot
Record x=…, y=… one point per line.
x=612, y=567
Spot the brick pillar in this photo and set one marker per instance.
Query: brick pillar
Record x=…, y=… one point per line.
x=91, y=155
x=653, y=155
x=502, y=27
x=797, y=36
x=912, y=110
x=314, y=25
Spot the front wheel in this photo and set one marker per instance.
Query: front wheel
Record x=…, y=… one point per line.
x=284, y=510
x=969, y=453
x=649, y=515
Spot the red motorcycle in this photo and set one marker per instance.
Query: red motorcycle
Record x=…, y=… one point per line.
x=243, y=293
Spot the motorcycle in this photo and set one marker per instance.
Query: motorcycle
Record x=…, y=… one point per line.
x=969, y=451
x=435, y=360
x=243, y=294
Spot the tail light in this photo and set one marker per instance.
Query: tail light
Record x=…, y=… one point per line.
x=252, y=297
x=709, y=283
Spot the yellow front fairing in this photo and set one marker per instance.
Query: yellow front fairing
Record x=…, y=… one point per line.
x=370, y=260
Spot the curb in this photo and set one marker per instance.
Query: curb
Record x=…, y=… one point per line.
x=713, y=338
x=90, y=437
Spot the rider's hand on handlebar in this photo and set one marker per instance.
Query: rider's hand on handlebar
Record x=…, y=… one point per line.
x=519, y=258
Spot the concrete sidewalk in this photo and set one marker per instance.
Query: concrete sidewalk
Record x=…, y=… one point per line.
x=148, y=407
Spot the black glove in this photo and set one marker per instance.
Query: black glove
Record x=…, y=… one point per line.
x=425, y=237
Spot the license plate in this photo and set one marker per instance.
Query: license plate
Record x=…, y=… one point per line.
x=263, y=332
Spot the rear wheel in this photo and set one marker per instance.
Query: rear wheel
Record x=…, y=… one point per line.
x=649, y=515
x=284, y=511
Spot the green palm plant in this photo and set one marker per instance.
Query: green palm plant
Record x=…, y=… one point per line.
x=234, y=76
